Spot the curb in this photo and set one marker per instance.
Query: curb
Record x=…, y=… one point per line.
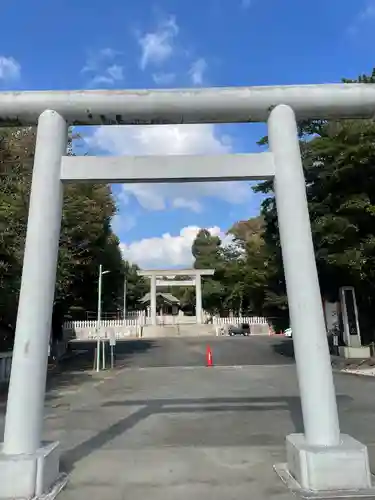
x=343, y=372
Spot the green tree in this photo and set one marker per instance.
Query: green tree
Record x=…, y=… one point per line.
x=87, y=238
x=248, y=269
x=340, y=174
x=207, y=252
x=240, y=277
x=339, y=165
x=137, y=286
x=16, y=157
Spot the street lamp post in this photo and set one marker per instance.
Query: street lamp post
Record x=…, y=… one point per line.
x=99, y=318
x=125, y=292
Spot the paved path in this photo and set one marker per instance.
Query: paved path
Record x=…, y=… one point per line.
x=189, y=432
x=227, y=351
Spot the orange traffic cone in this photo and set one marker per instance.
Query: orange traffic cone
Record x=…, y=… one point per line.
x=209, y=359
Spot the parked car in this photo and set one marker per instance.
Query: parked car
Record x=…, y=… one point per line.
x=288, y=333
x=242, y=329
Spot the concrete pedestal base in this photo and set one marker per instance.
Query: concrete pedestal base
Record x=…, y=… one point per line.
x=361, y=352
x=334, y=470
x=31, y=476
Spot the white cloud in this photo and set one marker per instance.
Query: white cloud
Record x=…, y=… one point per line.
x=163, y=78
x=102, y=68
x=366, y=14
x=167, y=251
x=95, y=60
x=197, y=70
x=121, y=222
x=10, y=69
x=116, y=72
x=157, y=46
x=192, y=205
x=169, y=140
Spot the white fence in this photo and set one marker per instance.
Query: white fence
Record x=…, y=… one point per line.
x=5, y=366
x=161, y=320
x=86, y=330
x=108, y=323
x=132, y=328
x=251, y=320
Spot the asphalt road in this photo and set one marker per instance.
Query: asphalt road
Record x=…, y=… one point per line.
x=180, y=433
x=190, y=433
x=172, y=352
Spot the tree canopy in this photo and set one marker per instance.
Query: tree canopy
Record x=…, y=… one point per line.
x=339, y=165
x=86, y=240
x=236, y=285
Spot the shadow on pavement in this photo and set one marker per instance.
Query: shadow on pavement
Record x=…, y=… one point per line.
x=68, y=372
x=77, y=367
x=60, y=375
x=163, y=406
x=123, y=350
x=129, y=348
x=284, y=348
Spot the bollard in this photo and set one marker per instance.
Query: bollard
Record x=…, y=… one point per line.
x=95, y=360
x=112, y=357
x=335, y=341
x=103, y=360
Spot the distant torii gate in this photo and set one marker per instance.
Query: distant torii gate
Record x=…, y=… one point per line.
x=197, y=274
x=320, y=459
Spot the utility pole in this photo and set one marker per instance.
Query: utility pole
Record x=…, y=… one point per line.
x=99, y=318
x=125, y=292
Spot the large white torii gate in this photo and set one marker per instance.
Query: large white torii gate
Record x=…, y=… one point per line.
x=318, y=460
x=196, y=281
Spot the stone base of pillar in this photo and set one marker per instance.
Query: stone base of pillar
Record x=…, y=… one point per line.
x=31, y=476
x=326, y=472
x=362, y=352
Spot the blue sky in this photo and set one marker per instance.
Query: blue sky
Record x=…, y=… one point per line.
x=170, y=43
